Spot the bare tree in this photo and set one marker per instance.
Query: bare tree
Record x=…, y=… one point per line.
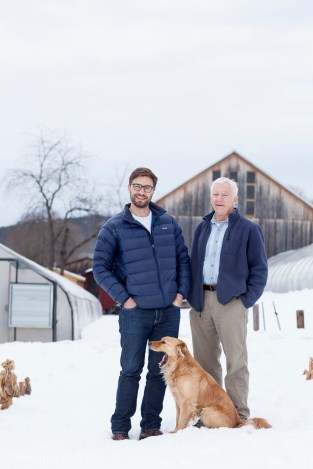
x=30, y=238
x=120, y=187
x=115, y=192
x=53, y=179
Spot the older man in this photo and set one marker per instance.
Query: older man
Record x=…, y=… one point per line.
x=229, y=273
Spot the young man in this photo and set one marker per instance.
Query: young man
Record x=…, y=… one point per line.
x=229, y=273
x=141, y=261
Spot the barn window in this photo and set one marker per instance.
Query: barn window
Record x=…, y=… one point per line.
x=251, y=177
x=250, y=207
x=233, y=175
x=250, y=191
x=216, y=174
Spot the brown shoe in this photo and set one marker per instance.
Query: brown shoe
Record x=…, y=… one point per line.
x=120, y=436
x=155, y=432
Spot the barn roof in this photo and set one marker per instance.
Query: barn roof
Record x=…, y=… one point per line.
x=291, y=270
x=237, y=155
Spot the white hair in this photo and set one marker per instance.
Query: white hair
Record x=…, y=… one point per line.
x=231, y=182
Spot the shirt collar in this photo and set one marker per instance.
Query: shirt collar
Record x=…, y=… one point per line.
x=213, y=220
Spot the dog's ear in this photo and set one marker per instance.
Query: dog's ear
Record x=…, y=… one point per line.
x=182, y=349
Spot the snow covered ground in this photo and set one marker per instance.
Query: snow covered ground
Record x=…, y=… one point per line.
x=65, y=423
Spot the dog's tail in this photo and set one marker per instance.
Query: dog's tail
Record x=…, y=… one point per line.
x=256, y=422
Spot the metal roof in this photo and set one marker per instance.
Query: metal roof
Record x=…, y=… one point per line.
x=291, y=270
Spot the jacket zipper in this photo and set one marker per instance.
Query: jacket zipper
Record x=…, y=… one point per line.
x=151, y=238
x=156, y=261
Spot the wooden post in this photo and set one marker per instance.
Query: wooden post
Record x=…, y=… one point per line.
x=300, y=319
x=256, y=324
x=263, y=313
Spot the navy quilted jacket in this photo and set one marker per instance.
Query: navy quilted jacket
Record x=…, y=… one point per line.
x=243, y=263
x=130, y=262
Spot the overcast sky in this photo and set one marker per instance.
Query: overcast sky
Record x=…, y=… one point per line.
x=174, y=85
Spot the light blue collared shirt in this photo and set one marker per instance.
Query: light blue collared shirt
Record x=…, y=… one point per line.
x=213, y=251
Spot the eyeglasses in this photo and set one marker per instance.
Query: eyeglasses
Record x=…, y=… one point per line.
x=138, y=187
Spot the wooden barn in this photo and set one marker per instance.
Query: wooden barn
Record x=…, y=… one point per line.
x=286, y=219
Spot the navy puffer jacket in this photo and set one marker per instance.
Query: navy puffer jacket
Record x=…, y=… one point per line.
x=130, y=262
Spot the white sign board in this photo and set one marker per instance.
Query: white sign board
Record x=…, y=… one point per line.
x=31, y=305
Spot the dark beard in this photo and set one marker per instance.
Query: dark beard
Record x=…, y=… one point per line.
x=140, y=203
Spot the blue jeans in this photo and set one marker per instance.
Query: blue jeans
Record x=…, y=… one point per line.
x=137, y=327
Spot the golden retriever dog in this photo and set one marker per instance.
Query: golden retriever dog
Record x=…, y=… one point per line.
x=195, y=391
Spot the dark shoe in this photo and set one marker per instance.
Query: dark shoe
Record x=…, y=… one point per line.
x=155, y=432
x=120, y=436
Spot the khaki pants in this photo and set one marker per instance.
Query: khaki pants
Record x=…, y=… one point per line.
x=224, y=325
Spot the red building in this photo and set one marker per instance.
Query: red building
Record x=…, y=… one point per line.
x=108, y=305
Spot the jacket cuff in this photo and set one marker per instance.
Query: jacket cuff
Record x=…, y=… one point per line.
x=122, y=298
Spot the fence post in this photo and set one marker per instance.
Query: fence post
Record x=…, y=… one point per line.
x=263, y=314
x=256, y=324
x=300, y=319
